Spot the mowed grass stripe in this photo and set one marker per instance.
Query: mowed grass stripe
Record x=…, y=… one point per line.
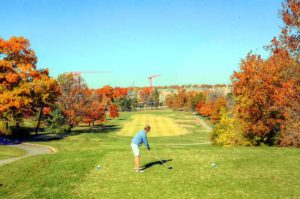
x=160, y=126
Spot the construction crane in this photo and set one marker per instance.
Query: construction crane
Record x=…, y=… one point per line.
x=150, y=78
x=78, y=73
x=90, y=72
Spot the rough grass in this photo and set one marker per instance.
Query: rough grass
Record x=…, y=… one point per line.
x=10, y=152
x=242, y=172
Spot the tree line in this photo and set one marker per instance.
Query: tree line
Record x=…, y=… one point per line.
x=264, y=107
x=30, y=94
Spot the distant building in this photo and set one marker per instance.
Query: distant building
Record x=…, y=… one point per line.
x=164, y=91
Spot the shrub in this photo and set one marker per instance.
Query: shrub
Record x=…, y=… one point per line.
x=228, y=132
x=291, y=135
x=56, y=122
x=4, y=130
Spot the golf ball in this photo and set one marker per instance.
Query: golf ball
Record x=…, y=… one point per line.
x=98, y=167
x=214, y=165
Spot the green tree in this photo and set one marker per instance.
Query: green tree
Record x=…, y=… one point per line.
x=154, y=98
x=56, y=122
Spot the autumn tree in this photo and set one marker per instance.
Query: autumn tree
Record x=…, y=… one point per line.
x=193, y=99
x=265, y=91
x=170, y=100
x=181, y=99
x=18, y=78
x=45, y=91
x=119, y=94
x=290, y=36
x=199, y=106
x=72, y=99
x=290, y=41
x=143, y=96
x=206, y=109
x=113, y=111
x=184, y=100
x=93, y=109
x=219, y=104
x=107, y=93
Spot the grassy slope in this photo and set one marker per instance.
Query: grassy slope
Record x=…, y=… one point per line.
x=242, y=172
x=10, y=152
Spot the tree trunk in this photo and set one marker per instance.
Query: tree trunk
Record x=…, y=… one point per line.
x=70, y=127
x=39, y=120
x=6, y=126
x=93, y=124
x=17, y=124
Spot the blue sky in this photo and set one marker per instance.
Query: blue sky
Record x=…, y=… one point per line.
x=185, y=41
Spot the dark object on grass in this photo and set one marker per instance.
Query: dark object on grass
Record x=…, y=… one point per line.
x=155, y=155
x=5, y=141
x=150, y=164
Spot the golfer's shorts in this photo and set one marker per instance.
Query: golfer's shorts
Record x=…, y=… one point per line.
x=135, y=149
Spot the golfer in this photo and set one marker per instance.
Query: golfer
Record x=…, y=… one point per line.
x=137, y=141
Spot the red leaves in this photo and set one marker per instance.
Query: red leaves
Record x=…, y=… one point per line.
x=46, y=110
x=206, y=109
x=113, y=111
x=120, y=93
x=11, y=78
x=216, y=109
x=199, y=106
x=106, y=91
x=290, y=12
x=264, y=90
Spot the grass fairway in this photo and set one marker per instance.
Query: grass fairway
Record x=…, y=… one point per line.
x=160, y=125
x=242, y=172
x=10, y=152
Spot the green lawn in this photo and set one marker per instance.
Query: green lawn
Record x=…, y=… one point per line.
x=242, y=172
x=10, y=152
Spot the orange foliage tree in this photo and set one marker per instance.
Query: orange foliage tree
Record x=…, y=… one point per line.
x=93, y=109
x=199, y=106
x=113, y=111
x=107, y=93
x=180, y=99
x=216, y=109
x=45, y=92
x=265, y=90
x=289, y=40
x=119, y=93
x=73, y=98
x=170, y=101
x=289, y=37
x=18, y=78
x=206, y=109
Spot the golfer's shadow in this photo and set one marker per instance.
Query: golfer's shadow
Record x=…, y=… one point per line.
x=150, y=164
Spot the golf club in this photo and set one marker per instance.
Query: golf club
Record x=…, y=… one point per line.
x=155, y=155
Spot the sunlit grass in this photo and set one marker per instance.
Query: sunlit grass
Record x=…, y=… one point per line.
x=10, y=152
x=242, y=172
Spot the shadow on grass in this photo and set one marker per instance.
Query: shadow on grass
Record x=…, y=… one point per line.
x=45, y=137
x=150, y=164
